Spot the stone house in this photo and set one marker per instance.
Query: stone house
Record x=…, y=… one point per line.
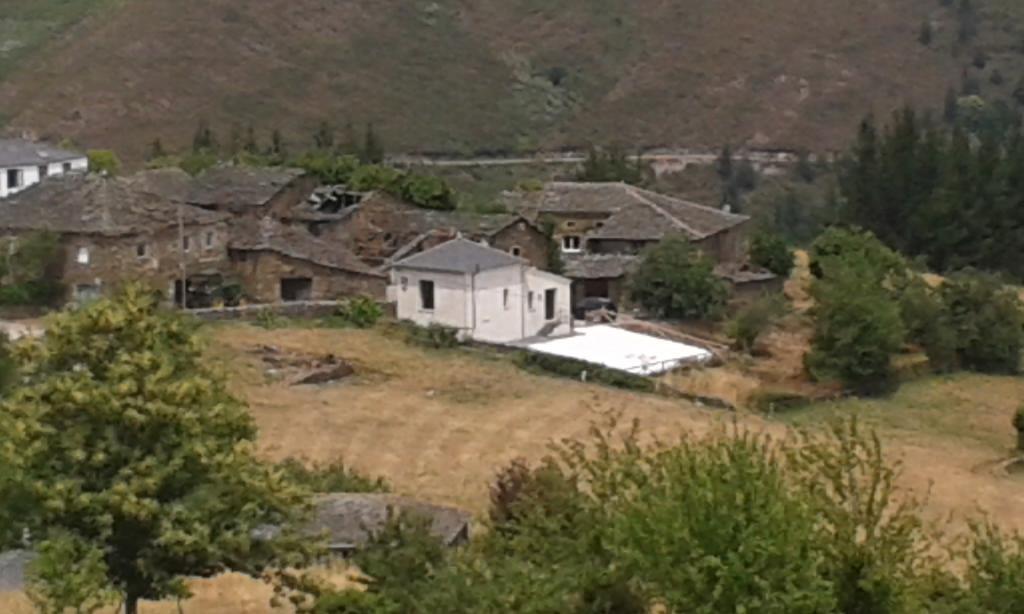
x=238, y=190
x=276, y=262
x=24, y=164
x=381, y=228
x=110, y=233
x=602, y=228
x=484, y=293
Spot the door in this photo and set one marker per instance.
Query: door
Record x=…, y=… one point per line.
x=296, y=289
x=550, y=297
x=598, y=288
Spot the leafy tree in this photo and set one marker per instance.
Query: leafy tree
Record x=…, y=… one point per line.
x=327, y=168
x=754, y=319
x=927, y=323
x=136, y=460
x=33, y=271
x=376, y=177
x=837, y=246
x=988, y=323
x=674, y=280
x=428, y=191
x=857, y=326
x=770, y=252
x=103, y=162
x=611, y=164
x=55, y=586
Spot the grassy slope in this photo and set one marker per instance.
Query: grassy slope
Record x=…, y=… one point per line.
x=462, y=76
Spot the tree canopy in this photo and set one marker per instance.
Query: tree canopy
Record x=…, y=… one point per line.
x=127, y=455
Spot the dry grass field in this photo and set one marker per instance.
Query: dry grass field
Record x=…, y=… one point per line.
x=438, y=424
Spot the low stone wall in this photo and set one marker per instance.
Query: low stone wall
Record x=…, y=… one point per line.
x=298, y=310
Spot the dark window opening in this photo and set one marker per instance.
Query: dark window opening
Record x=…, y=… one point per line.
x=549, y=303
x=44, y=170
x=141, y=250
x=13, y=178
x=296, y=289
x=67, y=167
x=186, y=243
x=427, y=295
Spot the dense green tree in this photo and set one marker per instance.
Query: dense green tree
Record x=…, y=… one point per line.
x=988, y=322
x=428, y=191
x=675, y=280
x=838, y=246
x=103, y=162
x=134, y=458
x=612, y=164
x=770, y=252
x=857, y=326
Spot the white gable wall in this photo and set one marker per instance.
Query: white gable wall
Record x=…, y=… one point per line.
x=30, y=174
x=539, y=283
x=451, y=304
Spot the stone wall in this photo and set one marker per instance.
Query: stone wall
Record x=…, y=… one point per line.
x=261, y=272
x=532, y=243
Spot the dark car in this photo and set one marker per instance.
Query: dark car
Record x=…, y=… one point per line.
x=592, y=304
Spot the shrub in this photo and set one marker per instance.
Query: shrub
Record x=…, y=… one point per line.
x=428, y=191
x=674, y=280
x=358, y=312
x=769, y=251
x=857, y=329
x=519, y=491
x=104, y=162
x=574, y=369
x=754, y=319
x=927, y=324
x=335, y=477
x=434, y=337
x=854, y=244
x=987, y=321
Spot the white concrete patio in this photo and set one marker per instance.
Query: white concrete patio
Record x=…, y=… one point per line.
x=620, y=349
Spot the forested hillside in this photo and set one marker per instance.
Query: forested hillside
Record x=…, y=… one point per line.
x=493, y=75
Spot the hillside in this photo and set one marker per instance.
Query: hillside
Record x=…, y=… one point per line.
x=466, y=76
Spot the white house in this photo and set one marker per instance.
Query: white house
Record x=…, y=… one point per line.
x=486, y=294
x=24, y=163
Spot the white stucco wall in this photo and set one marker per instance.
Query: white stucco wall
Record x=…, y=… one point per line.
x=450, y=298
x=476, y=304
x=30, y=174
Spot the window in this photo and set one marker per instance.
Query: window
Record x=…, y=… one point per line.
x=83, y=255
x=570, y=224
x=142, y=250
x=504, y=298
x=571, y=243
x=14, y=178
x=43, y=171
x=209, y=239
x=186, y=243
x=296, y=289
x=67, y=167
x=529, y=301
x=516, y=251
x=427, y=295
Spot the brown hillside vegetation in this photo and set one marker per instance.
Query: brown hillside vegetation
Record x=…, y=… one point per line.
x=485, y=75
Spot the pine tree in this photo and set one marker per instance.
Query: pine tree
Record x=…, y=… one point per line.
x=373, y=151
x=251, y=145
x=323, y=139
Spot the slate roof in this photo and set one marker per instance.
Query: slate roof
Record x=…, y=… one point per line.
x=598, y=266
x=633, y=213
x=459, y=256
x=350, y=519
x=240, y=186
x=248, y=234
x=19, y=152
x=90, y=204
x=12, y=569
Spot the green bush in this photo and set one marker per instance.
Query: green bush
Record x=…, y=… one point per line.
x=574, y=369
x=104, y=162
x=674, y=280
x=334, y=477
x=841, y=244
x=754, y=319
x=428, y=191
x=927, y=324
x=435, y=336
x=857, y=328
x=987, y=321
x=358, y=312
x=770, y=252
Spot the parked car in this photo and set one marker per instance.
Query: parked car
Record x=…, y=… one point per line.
x=592, y=304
